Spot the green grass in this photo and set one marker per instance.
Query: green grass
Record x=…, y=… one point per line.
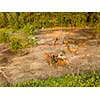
x=82, y=80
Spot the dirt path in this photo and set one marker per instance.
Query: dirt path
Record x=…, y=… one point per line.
x=34, y=66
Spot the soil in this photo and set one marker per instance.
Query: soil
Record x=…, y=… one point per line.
x=30, y=63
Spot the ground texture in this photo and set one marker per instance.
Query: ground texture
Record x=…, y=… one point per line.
x=30, y=63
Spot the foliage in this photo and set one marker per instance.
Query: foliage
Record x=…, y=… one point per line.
x=97, y=31
x=28, y=29
x=21, y=40
x=83, y=80
x=37, y=20
x=15, y=43
x=4, y=36
x=30, y=22
x=32, y=42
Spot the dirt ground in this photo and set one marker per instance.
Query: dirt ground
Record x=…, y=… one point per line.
x=30, y=64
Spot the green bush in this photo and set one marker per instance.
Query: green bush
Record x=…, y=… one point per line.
x=20, y=40
x=15, y=43
x=28, y=29
x=4, y=36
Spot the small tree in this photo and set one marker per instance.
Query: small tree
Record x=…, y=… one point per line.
x=97, y=32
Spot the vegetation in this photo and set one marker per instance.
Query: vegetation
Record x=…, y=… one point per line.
x=83, y=80
x=4, y=36
x=97, y=32
x=37, y=20
x=28, y=23
x=18, y=28
x=19, y=41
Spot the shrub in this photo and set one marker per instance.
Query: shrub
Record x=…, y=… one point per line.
x=28, y=29
x=20, y=40
x=15, y=43
x=4, y=36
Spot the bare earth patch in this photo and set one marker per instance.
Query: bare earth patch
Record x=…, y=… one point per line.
x=31, y=63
